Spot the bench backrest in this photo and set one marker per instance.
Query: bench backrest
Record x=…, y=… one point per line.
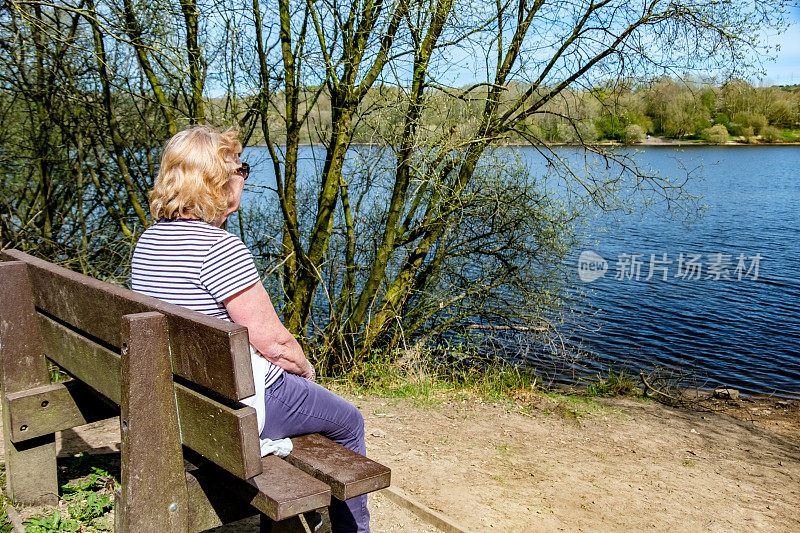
x=204, y=350
x=79, y=321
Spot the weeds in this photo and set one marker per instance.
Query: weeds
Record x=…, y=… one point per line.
x=85, y=501
x=57, y=375
x=5, y=522
x=51, y=522
x=615, y=383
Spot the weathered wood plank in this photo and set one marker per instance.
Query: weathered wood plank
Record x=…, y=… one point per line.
x=50, y=408
x=153, y=488
x=87, y=361
x=280, y=491
x=226, y=435
x=348, y=473
x=208, y=351
x=30, y=466
x=213, y=504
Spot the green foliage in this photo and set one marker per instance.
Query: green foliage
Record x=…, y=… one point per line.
x=96, y=480
x=716, y=134
x=771, y=134
x=88, y=499
x=416, y=373
x=5, y=522
x=790, y=135
x=722, y=118
x=56, y=374
x=634, y=134
x=745, y=121
x=51, y=522
x=94, y=506
x=619, y=383
x=610, y=128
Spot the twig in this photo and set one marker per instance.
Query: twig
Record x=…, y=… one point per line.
x=647, y=387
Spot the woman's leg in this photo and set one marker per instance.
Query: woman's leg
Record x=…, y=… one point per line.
x=297, y=406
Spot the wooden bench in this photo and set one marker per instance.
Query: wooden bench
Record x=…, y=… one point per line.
x=190, y=453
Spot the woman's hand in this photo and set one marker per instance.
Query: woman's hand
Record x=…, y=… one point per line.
x=253, y=309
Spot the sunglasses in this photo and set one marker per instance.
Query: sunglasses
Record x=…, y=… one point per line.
x=243, y=171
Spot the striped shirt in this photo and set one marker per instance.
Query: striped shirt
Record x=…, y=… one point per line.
x=195, y=265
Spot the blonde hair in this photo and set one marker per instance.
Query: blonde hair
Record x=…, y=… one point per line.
x=195, y=167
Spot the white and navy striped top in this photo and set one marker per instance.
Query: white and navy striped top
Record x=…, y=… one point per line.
x=195, y=265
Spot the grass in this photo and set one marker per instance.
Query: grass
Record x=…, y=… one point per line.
x=57, y=375
x=790, y=135
x=5, y=522
x=410, y=374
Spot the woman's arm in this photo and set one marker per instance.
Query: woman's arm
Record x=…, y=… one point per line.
x=253, y=309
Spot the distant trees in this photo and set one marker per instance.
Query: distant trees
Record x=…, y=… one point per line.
x=427, y=230
x=672, y=108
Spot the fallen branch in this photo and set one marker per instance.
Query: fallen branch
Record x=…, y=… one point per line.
x=647, y=387
x=501, y=328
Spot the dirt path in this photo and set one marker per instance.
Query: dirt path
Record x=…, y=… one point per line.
x=566, y=464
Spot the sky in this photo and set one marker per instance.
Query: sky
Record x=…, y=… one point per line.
x=785, y=70
x=782, y=69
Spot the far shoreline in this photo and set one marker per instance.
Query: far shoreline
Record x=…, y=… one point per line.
x=658, y=142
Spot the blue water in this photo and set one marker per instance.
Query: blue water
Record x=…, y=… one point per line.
x=722, y=327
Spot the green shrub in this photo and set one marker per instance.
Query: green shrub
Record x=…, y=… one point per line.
x=744, y=120
x=634, y=133
x=610, y=127
x=716, y=134
x=740, y=130
x=771, y=134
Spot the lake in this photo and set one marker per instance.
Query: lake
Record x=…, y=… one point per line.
x=716, y=297
x=722, y=298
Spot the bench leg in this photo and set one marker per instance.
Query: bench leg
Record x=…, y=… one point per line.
x=30, y=464
x=30, y=468
x=153, y=496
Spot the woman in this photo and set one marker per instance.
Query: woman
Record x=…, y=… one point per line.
x=187, y=259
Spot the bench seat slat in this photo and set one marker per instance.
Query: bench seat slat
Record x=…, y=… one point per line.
x=280, y=491
x=348, y=473
x=226, y=435
x=96, y=308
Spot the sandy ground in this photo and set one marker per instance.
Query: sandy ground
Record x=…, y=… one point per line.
x=557, y=463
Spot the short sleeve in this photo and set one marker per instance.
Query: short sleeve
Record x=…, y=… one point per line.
x=228, y=268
